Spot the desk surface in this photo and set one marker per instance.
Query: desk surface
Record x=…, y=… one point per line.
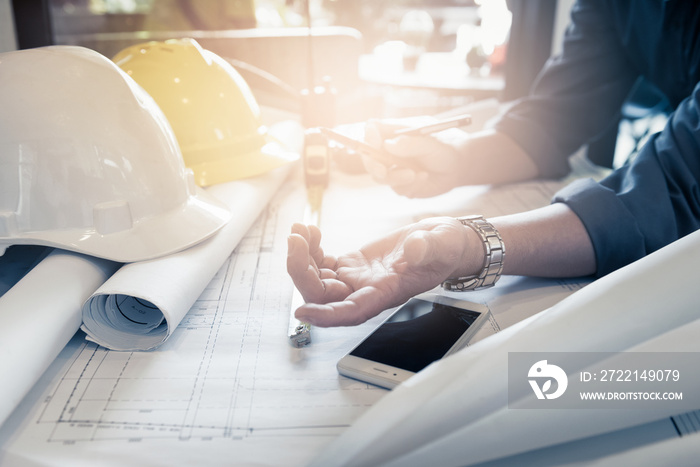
x=227, y=388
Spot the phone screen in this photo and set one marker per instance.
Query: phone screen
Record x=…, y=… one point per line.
x=416, y=335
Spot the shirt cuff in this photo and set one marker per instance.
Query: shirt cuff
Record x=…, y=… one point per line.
x=617, y=240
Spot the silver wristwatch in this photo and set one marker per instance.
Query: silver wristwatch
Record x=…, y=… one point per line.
x=495, y=252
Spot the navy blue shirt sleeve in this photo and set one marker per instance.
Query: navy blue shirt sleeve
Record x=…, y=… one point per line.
x=648, y=203
x=577, y=95
x=655, y=199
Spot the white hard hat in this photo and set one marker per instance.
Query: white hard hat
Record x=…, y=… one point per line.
x=89, y=163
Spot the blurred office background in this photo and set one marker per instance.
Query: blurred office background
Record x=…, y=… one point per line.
x=380, y=58
x=404, y=56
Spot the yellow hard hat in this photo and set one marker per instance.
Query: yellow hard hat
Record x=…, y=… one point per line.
x=210, y=107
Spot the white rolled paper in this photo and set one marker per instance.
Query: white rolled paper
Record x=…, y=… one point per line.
x=143, y=303
x=39, y=315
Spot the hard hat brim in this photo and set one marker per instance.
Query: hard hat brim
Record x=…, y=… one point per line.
x=238, y=166
x=173, y=231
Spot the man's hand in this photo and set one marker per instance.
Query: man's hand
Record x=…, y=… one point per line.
x=356, y=286
x=436, y=156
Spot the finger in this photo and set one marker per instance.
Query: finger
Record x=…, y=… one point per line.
x=314, y=236
x=300, y=265
x=301, y=229
x=412, y=146
x=316, y=289
x=303, y=272
x=342, y=313
x=315, y=285
x=355, y=309
x=315, y=244
x=377, y=170
x=333, y=291
x=377, y=131
x=298, y=258
x=329, y=262
x=398, y=176
x=326, y=273
x=326, y=315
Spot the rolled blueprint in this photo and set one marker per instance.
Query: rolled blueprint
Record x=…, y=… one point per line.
x=39, y=315
x=143, y=303
x=456, y=411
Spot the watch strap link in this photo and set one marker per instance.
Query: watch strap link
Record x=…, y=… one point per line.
x=495, y=253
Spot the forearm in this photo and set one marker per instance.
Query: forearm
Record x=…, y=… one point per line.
x=546, y=242
x=490, y=157
x=351, y=288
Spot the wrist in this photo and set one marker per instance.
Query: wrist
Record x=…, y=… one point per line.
x=482, y=257
x=471, y=261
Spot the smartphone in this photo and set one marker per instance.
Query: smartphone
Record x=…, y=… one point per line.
x=426, y=328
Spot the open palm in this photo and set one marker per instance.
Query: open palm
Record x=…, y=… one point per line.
x=356, y=286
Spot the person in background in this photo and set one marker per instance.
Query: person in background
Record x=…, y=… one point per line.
x=590, y=228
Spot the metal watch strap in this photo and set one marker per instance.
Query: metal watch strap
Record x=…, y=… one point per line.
x=495, y=253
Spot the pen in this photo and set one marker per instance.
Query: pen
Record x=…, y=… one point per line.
x=434, y=127
x=381, y=156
